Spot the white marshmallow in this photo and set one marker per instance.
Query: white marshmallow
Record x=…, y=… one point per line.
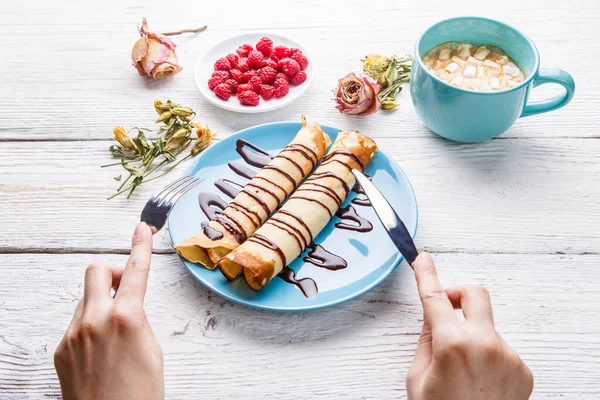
x=470, y=72
x=457, y=80
x=492, y=64
x=459, y=61
x=495, y=83
x=485, y=88
x=452, y=67
x=494, y=71
x=481, y=53
x=480, y=71
x=464, y=50
x=474, y=61
x=444, y=54
x=502, y=60
x=510, y=70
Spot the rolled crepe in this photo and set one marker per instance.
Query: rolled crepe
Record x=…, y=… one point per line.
x=289, y=231
x=258, y=199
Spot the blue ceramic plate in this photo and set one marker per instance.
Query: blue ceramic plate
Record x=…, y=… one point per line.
x=371, y=256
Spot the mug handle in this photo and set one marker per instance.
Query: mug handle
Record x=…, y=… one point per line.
x=551, y=75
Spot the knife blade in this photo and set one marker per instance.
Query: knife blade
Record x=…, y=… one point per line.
x=388, y=217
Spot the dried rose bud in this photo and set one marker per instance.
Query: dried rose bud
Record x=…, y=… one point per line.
x=176, y=143
x=182, y=111
x=204, y=137
x=357, y=95
x=164, y=116
x=389, y=104
x=124, y=139
x=161, y=107
x=154, y=54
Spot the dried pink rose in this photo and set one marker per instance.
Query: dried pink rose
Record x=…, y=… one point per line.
x=154, y=54
x=357, y=95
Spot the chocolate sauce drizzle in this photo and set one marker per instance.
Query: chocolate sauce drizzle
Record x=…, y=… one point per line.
x=208, y=202
x=349, y=213
x=320, y=257
x=306, y=285
x=364, y=201
x=211, y=232
x=213, y=206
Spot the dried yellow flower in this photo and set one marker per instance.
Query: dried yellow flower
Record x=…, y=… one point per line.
x=182, y=111
x=374, y=65
x=124, y=139
x=389, y=104
x=204, y=137
x=161, y=107
x=164, y=116
x=176, y=143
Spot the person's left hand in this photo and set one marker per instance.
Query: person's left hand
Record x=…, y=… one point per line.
x=109, y=350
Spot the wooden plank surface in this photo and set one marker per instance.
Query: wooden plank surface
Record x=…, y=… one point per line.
x=519, y=214
x=85, y=85
x=216, y=349
x=526, y=196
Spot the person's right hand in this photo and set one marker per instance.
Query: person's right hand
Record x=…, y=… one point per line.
x=462, y=360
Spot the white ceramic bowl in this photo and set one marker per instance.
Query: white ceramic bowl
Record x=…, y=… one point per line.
x=205, y=68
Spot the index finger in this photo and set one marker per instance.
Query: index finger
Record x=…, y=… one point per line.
x=135, y=276
x=437, y=309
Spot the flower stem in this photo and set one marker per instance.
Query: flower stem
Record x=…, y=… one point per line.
x=197, y=30
x=124, y=182
x=133, y=186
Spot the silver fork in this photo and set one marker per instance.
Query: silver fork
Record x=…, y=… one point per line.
x=157, y=209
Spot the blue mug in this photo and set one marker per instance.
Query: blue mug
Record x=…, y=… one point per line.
x=469, y=116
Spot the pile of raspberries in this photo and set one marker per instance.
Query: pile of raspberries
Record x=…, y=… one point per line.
x=265, y=72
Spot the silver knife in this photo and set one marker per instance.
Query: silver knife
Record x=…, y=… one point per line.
x=388, y=217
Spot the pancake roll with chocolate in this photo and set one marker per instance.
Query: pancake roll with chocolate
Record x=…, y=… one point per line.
x=291, y=229
x=258, y=199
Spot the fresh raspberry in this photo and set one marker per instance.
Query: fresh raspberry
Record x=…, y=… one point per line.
x=267, y=91
x=298, y=78
x=281, y=52
x=288, y=66
x=235, y=74
x=281, y=80
x=255, y=59
x=267, y=62
x=294, y=50
x=255, y=81
x=233, y=60
x=248, y=98
x=221, y=75
x=281, y=91
x=267, y=74
x=222, y=64
x=234, y=84
x=246, y=76
x=214, y=82
x=300, y=59
x=243, y=65
x=223, y=91
x=265, y=46
x=244, y=50
x=245, y=87
x=274, y=57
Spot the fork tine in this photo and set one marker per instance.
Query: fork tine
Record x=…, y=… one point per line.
x=158, y=196
x=175, y=195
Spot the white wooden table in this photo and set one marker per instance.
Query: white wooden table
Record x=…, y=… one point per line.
x=519, y=214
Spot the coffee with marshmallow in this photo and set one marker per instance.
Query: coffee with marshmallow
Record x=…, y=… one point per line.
x=480, y=68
